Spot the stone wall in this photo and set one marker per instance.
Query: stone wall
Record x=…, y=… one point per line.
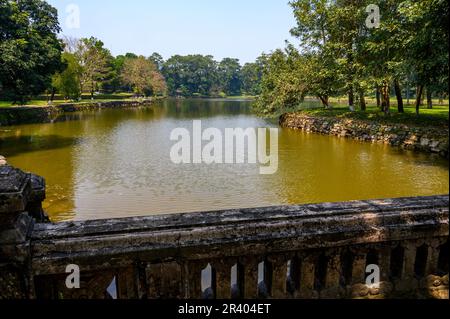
x=29, y=115
x=425, y=139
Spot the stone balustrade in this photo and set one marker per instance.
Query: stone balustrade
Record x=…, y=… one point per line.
x=305, y=251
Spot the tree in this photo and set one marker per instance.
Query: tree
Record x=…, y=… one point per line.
x=191, y=75
x=251, y=75
x=115, y=82
x=229, y=76
x=384, y=48
x=427, y=24
x=342, y=54
x=315, y=33
x=68, y=82
x=348, y=32
x=157, y=60
x=96, y=63
x=30, y=52
x=283, y=87
x=142, y=76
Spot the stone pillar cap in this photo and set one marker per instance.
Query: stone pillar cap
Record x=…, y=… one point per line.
x=15, y=189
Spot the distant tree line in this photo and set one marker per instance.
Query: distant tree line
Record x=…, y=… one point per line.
x=89, y=67
x=197, y=75
x=406, y=55
x=33, y=61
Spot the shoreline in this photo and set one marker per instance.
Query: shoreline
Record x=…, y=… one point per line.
x=46, y=114
x=422, y=139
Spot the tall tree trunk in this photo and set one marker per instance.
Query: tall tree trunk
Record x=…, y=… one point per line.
x=429, y=99
x=351, y=98
x=325, y=101
x=418, y=98
x=378, y=97
x=398, y=94
x=386, y=97
x=52, y=96
x=362, y=101
x=407, y=94
x=422, y=96
x=81, y=90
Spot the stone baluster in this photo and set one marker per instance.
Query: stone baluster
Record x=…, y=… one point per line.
x=385, y=287
x=164, y=280
x=128, y=283
x=279, y=275
x=307, y=277
x=222, y=270
x=433, y=257
x=384, y=253
x=250, y=265
x=359, y=287
x=408, y=282
x=332, y=279
x=359, y=268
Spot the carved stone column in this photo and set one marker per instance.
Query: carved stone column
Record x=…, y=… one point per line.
x=21, y=195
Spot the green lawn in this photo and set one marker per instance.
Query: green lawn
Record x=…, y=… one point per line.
x=373, y=101
x=86, y=99
x=29, y=103
x=241, y=97
x=438, y=116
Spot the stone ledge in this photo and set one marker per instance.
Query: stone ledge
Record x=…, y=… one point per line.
x=239, y=232
x=430, y=140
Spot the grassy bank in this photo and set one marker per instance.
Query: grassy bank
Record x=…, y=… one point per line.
x=436, y=117
x=45, y=114
x=42, y=100
x=38, y=103
x=241, y=97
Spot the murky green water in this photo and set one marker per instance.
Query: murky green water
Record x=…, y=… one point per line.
x=116, y=163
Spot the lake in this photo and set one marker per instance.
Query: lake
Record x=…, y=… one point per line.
x=116, y=163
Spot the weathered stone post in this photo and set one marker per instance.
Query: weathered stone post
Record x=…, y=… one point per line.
x=21, y=195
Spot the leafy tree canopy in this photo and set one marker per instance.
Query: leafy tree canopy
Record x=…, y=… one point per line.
x=30, y=52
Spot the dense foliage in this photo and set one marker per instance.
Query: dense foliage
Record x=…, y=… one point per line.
x=30, y=52
x=339, y=54
x=142, y=76
x=197, y=75
x=34, y=61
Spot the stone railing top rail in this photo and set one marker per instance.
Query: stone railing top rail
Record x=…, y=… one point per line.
x=382, y=208
x=233, y=233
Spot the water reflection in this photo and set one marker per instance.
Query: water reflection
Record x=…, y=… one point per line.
x=115, y=163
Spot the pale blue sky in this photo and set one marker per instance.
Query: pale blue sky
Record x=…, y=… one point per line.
x=223, y=28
